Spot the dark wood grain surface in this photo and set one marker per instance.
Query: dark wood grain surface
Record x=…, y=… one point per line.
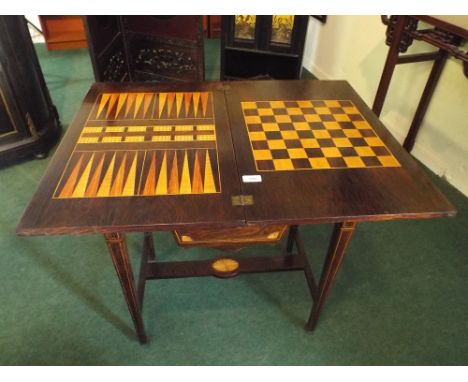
x=286, y=197
x=330, y=195
x=50, y=215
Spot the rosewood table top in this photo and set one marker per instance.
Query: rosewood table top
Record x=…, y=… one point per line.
x=148, y=157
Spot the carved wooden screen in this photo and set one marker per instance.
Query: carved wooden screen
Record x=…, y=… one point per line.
x=146, y=48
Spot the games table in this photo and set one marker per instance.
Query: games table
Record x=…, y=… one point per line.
x=195, y=158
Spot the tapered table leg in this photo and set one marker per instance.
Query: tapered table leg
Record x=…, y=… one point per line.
x=291, y=238
x=118, y=251
x=338, y=244
x=148, y=254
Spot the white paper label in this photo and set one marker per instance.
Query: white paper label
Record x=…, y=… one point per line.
x=251, y=178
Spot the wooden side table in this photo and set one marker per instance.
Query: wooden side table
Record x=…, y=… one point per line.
x=446, y=33
x=226, y=156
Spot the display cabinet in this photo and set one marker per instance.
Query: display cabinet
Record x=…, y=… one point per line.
x=262, y=46
x=63, y=32
x=29, y=123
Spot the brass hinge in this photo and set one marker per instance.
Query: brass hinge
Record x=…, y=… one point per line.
x=242, y=200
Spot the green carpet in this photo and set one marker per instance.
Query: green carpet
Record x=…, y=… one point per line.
x=400, y=297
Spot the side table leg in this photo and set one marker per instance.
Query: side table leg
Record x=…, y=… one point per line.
x=148, y=254
x=425, y=99
x=118, y=250
x=390, y=62
x=291, y=238
x=338, y=244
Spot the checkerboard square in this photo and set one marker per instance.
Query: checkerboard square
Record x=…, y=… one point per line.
x=249, y=105
x=318, y=104
x=263, y=105
x=305, y=134
x=257, y=136
x=262, y=154
x=260, y=145
x=326, y=142
x=322, y=111
x=304, y=104
x=321, y=133
x=342, y=142
x=316, y=125
x=267, y=118
x=331, y=152
x=312, y=118
x=265, y=165
x=270, y=127
x=301, y=126
x=290, y=103
x=371, y=161
x=380, y=151
x=352, y=133
x=301, y=163
x=358, y=142
x=375, y=141
x=356, y=117
x=280, y=111
x=289, y=134
x=337, y=133
x=273, y=135
x=367, y=133
x=342, y=118
x=294, y=111
x=332, y=125
x=265, y=111
x=276, y=144
x=326, y=118
x=283, y=119
x=252, y=119
x=255, y=127
x=361, y=125
x=354, y=162
x=364, y=151
x=297, y=153
x=319, y=163
x=251, y=112
x=346, y=125
x=332, y=103
x=314, y=152
x=297, y=118
x=286, y=126
x=388, y=161
x=277, y=104
x=350, y=110
x=348, y=152
x=280, y=154
x=283, y=164
x=336, y=162
x=308, y=110
x=310, y=143
x=293, y=143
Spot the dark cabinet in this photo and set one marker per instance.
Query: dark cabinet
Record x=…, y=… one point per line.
x=262, y=46
x=146, y=48
x=29, y=122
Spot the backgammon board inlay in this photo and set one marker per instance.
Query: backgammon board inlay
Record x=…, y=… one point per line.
x=312, y=135
x=144, y=144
